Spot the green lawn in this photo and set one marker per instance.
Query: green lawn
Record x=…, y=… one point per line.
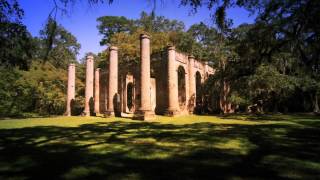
x=190, y=147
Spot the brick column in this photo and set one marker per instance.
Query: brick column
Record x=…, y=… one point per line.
x=173, y=102
x=144, y=112
x=89, y=84
x=192, y=85
x=113, y=79
x=97, y=91
x=71, y=87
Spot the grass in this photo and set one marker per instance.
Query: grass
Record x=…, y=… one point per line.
x=189, y=147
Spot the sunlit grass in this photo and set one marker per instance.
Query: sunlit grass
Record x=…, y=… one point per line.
x=74, y=121
x=55, y=121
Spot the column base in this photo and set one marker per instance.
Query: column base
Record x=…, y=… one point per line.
x=99, y=114
x=67, y=114
x=84, y=113
x=191, y=110
x=172, y=112
x=109, y=114
x=145, y=115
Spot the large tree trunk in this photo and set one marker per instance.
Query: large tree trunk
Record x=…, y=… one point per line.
x=275, y=103
x=225, y=105
x=315, y=104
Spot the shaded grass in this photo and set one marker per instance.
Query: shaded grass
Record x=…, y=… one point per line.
x=189, y=147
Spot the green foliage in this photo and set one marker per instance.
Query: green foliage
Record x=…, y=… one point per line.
x=129, y=45
x=50, y=87
x=125, y=33
x=10, y=11
x=49, y=83
x=152, y=23
x=16, y=45
x=263, y=79
x=41, y=89
x=275, y=59
x=109, y=25
x=15, y=95
x=16, y=42
x=268, y=84
x=26, y=84
x=148, y=23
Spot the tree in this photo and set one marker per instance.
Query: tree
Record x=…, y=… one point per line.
x=152, y=23
x=109, y=25
x=58, y=46
x=14, y=93
x=10, y=11
x=16, y=42
x=16, y=45
x=124, y=33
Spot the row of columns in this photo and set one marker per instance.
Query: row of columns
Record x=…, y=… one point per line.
x=144, y=112
x=88, y=87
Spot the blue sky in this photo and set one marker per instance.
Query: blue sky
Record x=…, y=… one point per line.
x=81, y=19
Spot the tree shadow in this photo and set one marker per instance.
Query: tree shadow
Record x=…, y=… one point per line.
x=139, y=150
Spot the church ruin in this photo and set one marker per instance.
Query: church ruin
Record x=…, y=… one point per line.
x=168, y=85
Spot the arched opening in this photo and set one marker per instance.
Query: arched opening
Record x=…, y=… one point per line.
x=198, y=90
x=130, y=96
x=117, y=105
x=91, y=106
x=181, y=87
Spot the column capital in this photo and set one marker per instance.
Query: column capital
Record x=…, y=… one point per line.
x=90, y=57
x=98, y=69
x=144, y=36
x=113, y=48
x=72, y=64
x=171, y=47
x=190, y=57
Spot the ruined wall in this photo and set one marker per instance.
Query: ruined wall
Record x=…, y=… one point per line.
x=202, y=67
x=159, y=83
x=159, y=72
x=183, y=62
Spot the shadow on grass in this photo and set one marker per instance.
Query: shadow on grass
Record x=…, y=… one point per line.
x=138, y=150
